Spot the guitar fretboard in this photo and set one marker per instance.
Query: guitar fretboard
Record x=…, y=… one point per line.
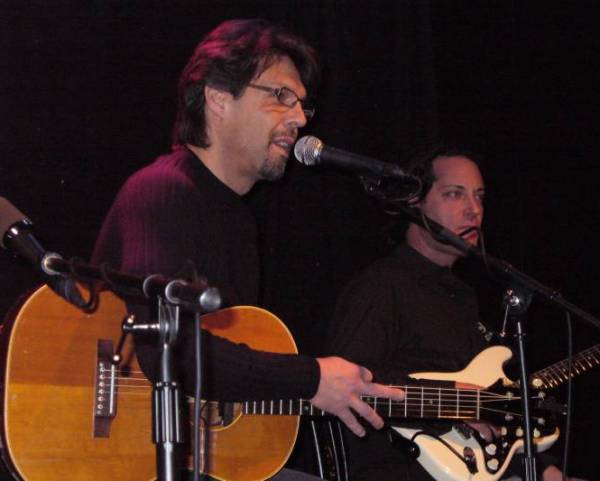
x=558, y=373
x=420, y=403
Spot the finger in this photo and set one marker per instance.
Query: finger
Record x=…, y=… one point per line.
x=367, y=413
x=365, y=374
x=378, y=390
x=352, y=423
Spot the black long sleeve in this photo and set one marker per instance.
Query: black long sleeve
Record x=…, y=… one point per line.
x=175, y=211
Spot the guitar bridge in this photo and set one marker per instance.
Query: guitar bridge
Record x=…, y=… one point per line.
x=105, y=389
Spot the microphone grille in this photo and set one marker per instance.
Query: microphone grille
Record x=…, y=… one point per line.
x=307, y=150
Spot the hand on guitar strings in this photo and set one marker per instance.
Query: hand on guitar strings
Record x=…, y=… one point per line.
x=340, y=389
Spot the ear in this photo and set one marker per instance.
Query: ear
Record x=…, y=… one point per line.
x=216, y=100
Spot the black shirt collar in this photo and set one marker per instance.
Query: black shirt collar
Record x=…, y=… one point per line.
x=203, y=178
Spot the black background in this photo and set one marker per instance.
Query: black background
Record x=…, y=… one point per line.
x=87, y=97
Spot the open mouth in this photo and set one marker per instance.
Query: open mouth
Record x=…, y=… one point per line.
x=284, y=147
x=284, y=143
x=469, y=232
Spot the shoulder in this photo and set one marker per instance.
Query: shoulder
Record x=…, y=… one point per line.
x=167, y=174
x=164, y=183
x=384, y=270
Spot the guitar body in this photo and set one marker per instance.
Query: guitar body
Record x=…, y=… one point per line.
x=484, y=369
x=439, y=458
x=49, y=400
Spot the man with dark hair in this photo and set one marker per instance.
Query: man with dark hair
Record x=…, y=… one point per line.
x=409, y=313
x=242, y=98
x=229, y=59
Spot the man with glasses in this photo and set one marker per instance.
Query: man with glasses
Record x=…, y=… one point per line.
x=241, y=99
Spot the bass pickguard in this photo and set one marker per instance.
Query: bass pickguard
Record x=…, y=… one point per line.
x=462, y=453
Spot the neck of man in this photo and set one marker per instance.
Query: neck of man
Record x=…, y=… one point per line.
x=421, y=241
x=219, y=163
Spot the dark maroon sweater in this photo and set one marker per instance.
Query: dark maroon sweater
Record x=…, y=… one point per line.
x=173, y=211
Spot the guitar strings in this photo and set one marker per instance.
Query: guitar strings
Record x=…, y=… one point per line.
x=448, y=401
x=416, y=394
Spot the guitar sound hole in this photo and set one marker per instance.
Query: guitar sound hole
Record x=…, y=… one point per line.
x=216, y=414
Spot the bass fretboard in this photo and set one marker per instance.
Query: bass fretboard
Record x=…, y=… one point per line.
x=557, y=373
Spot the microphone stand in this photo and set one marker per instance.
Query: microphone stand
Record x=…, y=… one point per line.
x=172, y=295
x=166, y=399
x=518, y=299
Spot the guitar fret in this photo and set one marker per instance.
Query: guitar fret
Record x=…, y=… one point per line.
x=281, y=406
x=564, y=376
x=552, y=375
x=406, y=401
x=439, y=402
x=478, y=403
x=422, y=393
x=544, y=378
x=557, y=375
x=291, y=407
x=457, y=402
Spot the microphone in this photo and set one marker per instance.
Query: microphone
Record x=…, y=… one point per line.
x=311, y=151
x=17, y=237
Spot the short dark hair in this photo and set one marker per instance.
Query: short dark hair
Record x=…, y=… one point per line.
x=421, y=162
x=228, y=58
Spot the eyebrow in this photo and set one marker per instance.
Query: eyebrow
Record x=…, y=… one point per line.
x=462, y=187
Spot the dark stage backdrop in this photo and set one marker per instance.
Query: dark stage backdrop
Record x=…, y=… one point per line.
x=87, y=97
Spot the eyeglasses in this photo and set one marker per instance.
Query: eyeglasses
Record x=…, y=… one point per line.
x=288, y=97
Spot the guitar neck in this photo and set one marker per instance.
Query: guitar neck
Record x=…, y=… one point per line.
x=421, y=402
x=554, y=375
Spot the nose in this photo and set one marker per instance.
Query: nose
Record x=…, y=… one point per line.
x=296, y=117
x=474, y=207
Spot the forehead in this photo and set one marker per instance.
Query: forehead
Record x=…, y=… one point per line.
x=457, y=170
x=282, y=73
